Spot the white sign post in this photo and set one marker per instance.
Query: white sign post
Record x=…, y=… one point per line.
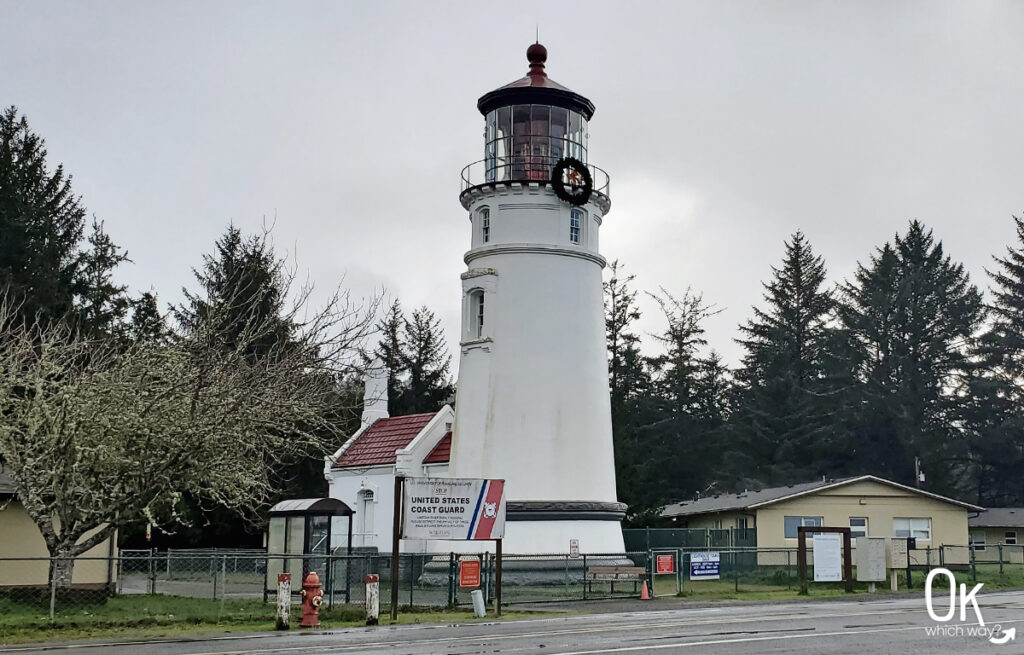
x=828, y=557
x=453, y=509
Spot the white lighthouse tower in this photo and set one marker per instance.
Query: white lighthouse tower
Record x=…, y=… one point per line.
x=533, y=404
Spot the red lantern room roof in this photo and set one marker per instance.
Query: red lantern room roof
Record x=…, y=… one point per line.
x=536, y=88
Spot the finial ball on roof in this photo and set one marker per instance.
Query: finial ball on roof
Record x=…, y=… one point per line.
x=537, y=54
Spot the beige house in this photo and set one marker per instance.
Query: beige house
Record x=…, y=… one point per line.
x=868, y=505
x=999, y=531
x=23, y=554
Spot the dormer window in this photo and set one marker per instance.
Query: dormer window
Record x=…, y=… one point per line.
x=485, y=225
x=575, y=225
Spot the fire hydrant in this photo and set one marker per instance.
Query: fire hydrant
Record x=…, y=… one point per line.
x=312, y=599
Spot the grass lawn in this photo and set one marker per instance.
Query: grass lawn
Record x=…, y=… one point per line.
x=133, y=617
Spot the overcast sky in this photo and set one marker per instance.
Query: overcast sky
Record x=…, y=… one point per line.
x=725, y=126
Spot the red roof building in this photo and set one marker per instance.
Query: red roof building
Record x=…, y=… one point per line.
x=377, y=445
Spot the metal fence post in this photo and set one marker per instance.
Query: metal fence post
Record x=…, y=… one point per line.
x=451, y=580
x=152, y=571
x=584, y=576
x=223, y=578
x=974, y=565
x=1000, y=559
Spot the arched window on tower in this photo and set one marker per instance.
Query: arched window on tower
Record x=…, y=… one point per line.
x=476, y=314
x=485, y=225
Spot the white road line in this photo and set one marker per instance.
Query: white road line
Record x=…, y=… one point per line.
x=740, y=640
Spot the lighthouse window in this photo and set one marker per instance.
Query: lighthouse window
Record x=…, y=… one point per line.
x=559, y=125
x=476, y=316
x=485, y=224
x=575, y=225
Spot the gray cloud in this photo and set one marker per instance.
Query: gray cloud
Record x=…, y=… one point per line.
x=725, y=127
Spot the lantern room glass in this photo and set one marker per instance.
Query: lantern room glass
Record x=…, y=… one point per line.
x=523, y=142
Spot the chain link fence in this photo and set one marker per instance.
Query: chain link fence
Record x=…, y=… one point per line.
x=196, y=584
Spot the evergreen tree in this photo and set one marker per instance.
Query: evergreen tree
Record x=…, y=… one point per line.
x=391, y=352
x=784, y=411
x=41, y=225
x=628, y=382
x=680, y=447
x=242, y=290
x=103, y=304
x=910, y=314
x=424, y=356
x=997, y=389
x=147, y=323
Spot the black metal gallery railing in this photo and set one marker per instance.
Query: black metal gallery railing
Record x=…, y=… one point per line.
x=524, y=168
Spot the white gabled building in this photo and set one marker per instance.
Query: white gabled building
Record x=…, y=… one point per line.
x=362, y=472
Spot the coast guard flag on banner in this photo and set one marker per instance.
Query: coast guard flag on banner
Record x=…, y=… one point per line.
x=454, y=509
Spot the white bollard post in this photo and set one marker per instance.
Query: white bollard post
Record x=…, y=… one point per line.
x=479, y=611
x=372, y=598
x=284, y=600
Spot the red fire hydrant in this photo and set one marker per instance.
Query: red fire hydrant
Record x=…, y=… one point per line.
x=312, y=599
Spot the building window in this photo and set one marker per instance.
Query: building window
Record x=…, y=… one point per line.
x=919, y=528
x=1010, y=537
x=976, y=539
x=485, y=224
x=741, y=523
x=364, y=518
x=575, y=225
x=791, y=523
x=858, y=527
x=476, y=314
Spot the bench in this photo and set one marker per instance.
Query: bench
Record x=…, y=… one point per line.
x=613, y=574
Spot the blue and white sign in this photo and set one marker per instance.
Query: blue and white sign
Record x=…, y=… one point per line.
x=704, y=565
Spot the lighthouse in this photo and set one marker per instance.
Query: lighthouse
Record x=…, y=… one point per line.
x=532, y=405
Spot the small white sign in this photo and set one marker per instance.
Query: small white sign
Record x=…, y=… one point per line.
x=574, y=548
x=828, y=557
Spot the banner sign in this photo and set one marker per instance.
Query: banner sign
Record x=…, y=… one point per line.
x=664, y=563
x=828, y=557
x=453, y=509
x=705, y=565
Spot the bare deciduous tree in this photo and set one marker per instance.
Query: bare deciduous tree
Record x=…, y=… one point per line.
x=98, y=435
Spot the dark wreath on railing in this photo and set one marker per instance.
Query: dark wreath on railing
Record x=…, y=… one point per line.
x=571, y=181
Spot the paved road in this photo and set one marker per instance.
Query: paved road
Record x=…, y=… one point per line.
x=855, y=627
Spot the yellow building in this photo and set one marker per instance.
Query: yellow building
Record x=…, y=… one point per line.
x=868, y=505
x=23, y=556
x=999, y=531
